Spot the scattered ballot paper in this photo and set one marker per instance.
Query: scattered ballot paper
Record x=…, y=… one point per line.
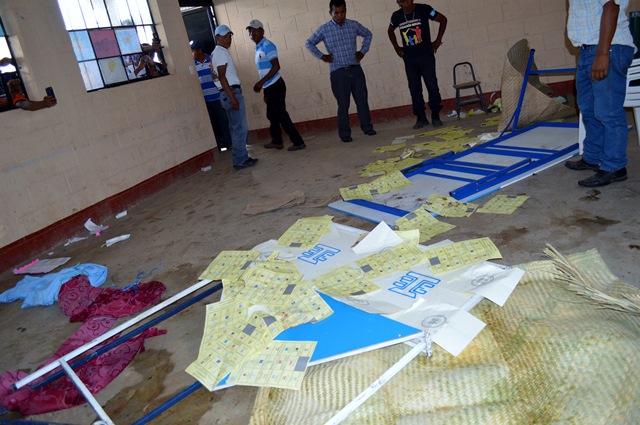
x=121, y=214
x=94, y=228
x=74, y=240
x=379, y=238
x=117, y=239
x=38, y=266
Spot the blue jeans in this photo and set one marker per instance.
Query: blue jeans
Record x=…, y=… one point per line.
x=601, y=104
x=237, y=125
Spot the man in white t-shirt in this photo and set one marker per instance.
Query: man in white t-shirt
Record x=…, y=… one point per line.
x=231, y=97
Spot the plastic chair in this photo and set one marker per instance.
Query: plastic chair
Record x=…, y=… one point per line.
x=465, y=68
x=632, y=98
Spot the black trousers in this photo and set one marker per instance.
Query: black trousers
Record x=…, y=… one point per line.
x=220, y=124
x=418, y=69
x=347, y=82
x=275, y=96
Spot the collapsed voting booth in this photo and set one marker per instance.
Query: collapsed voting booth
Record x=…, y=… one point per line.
x=531, y=146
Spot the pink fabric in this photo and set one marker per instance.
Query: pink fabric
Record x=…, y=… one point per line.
x=98, y=308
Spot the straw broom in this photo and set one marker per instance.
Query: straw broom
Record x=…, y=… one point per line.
x=577, y=282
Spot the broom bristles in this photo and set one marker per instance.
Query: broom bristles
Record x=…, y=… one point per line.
x=581, y=284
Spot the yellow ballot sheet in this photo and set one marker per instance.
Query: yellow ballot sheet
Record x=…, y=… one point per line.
x=281, y=364
x=229, y=265
x=422, y=220
x=360, y=191
x=389, y=148
x=400, y=257
x=454, y=256
x=289, y=299
x=388, y=165
x=503, y=204
x=343, y=282
x=389, y=182
x=306, y=232
x=439, y=131
x=453, y=134
x=230, y=335
x=492, y=121
x=447, y=206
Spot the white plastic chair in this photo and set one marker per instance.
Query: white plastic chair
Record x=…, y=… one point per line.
x=632, y=99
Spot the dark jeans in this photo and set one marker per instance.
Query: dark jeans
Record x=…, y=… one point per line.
x=346, y=82
x=277, y=114
x=418, y=69
x=220, y=124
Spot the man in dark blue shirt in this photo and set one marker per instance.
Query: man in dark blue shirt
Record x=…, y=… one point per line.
x=418, y=53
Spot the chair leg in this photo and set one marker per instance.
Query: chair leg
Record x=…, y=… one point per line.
x=636, y=115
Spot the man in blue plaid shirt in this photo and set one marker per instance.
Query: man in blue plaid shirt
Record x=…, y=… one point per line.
x=347, y=78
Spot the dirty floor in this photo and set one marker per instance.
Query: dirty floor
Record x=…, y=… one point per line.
x=185, y=226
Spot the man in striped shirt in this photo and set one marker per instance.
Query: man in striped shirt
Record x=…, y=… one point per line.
x=217, y=114
x=275, y=90
x=347, y=78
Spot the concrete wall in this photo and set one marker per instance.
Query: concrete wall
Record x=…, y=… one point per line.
x=56, y=162
x=90, y=146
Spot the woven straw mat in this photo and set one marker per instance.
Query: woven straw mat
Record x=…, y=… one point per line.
x=548, y=356
x=537, y=105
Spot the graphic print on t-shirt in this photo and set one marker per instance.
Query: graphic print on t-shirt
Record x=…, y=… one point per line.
x=411, y=32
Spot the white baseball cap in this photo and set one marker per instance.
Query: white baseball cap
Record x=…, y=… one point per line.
x=254, y=23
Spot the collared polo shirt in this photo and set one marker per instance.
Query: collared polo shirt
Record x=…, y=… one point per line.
x=266, y=51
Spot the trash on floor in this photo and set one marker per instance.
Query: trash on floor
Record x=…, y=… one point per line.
x=94, y=228
x=38, y=266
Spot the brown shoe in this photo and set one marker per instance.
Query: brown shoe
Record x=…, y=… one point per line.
x=296, y=147
x=273, y=146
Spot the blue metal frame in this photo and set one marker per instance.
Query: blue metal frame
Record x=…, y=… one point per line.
x=492, y=175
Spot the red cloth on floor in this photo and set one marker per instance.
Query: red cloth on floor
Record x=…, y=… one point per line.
x=98, y=308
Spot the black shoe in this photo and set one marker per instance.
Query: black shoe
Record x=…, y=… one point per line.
x=273, y=146
x=437, y=122
x=248, y=163
x=371, y=132
x=580, y=165
x=603, y=178
x=421, y=122
x=346, y=139
x=296, y=147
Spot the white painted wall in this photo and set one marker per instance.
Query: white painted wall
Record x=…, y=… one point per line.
x=90, y=146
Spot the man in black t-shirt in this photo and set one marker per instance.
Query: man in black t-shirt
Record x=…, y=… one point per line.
x=418, y=53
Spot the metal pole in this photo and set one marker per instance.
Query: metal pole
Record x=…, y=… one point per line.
x=128, y=336
x=86, y=393
x=424, y=345
x=73, y=354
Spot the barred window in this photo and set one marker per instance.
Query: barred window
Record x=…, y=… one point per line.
x=8, y=72
x=115, y=41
